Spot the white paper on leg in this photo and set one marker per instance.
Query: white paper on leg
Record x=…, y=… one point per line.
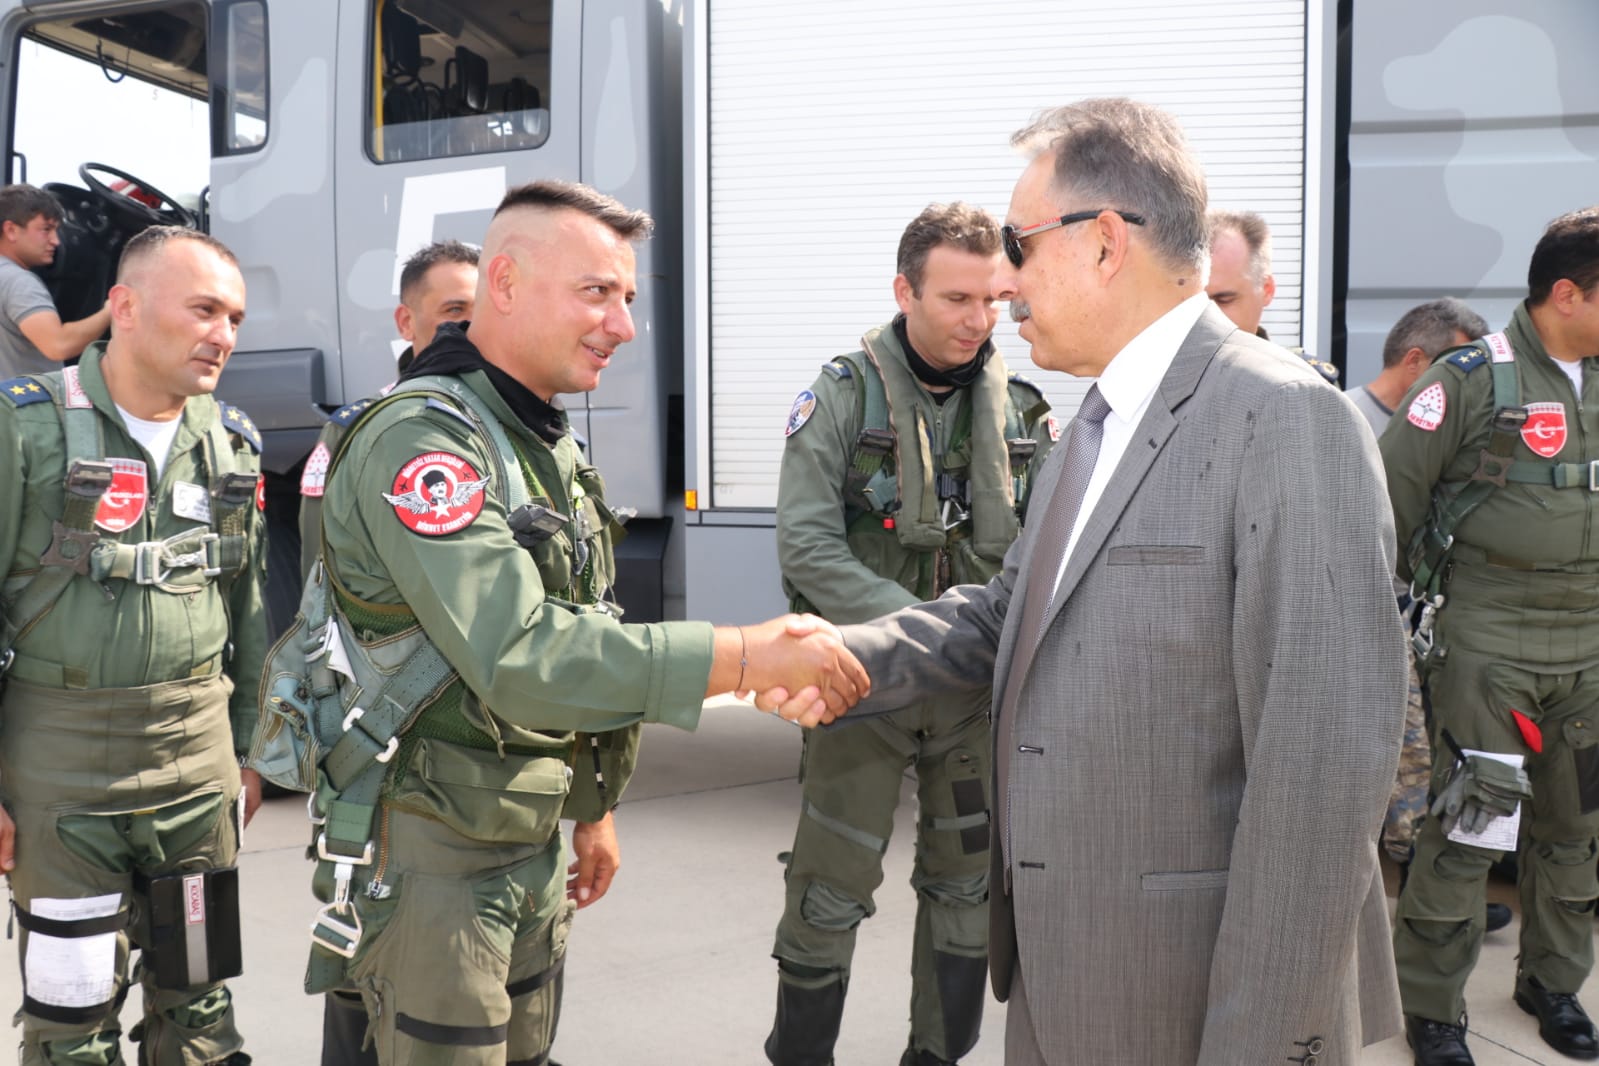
x=72, y=971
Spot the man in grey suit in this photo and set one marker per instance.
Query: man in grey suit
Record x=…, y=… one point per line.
x=1198, y=674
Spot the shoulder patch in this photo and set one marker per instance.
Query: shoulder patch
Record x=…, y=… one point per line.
x=1465, y=359
x=1427, y=410
x=436, y=494
x=839, y=369
x=800, y=413
x=240, y=423
x=1017, y=381
x=23, y=391
x=1320, y=366
x=346, y=415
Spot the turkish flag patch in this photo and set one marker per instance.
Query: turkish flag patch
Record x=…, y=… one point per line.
x=123, y=502
x=1545, y=429
x=260, y=493
x=436, y=494
x=1427, y=409
x=1054, y=429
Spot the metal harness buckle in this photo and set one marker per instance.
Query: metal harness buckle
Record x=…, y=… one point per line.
x=154, y=560
x=1593, y=476
x=334, y=933
x=6, y=660
x=394, y=742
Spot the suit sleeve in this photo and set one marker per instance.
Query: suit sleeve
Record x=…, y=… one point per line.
x=1320, y=669
x=481, y=601
x=933, y=648
x=812, y=544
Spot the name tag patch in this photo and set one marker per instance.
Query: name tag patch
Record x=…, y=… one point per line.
x=191, y=501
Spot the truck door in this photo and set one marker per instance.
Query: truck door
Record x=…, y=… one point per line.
x=443, y=104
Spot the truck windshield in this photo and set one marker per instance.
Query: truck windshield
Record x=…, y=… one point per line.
x=458, y=78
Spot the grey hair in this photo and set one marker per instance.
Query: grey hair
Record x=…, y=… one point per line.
x=1256, y=236
x=1118, y=153
x=1431, y=327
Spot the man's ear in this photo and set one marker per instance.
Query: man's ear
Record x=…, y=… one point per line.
x=500, y=282
x=903, y=295
x=1268, y=289
x=405, y=323
x=1115, y=241
x=124, y=305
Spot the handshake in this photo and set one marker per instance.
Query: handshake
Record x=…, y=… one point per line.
x=796, y=665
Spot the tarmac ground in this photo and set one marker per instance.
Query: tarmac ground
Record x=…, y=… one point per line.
x=673, y=967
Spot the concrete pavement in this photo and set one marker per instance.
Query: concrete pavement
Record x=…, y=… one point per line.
x=673, y=967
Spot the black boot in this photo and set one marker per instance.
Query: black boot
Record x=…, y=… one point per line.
x=1498, y=917
x=1562, y=1022
x=912, y=1057
x=1437, y=1043
x=808, y=1019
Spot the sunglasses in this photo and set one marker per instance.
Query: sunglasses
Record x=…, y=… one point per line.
x=1012, y=236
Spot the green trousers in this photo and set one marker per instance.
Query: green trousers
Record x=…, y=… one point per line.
x=1438, y=927
x=460, y=965
x=852, y=779
x=107, y=788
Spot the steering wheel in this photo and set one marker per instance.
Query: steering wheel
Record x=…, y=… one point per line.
x=168, y=212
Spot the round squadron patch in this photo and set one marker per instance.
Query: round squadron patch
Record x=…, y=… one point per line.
x=1545, y=429
x=122, y=504
x=313, y=482
x=800, y=413
x=437, y=494
x=1427, y=409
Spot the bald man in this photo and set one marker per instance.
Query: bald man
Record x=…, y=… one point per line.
x=463, y=528
x=131, y=642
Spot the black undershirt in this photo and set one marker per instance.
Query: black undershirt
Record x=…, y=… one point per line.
x=956, y=378
x=452, y=353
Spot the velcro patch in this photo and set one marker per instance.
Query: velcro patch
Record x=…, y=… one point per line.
x=1467, y=359
x=23, y=391
x=1428, y=408
x=314, y=480
x=76, y=397
x=1545, y=429
x=122, y=503
x=436, y=494
x=800, y=413
x=1499, y=346
x=240, y=423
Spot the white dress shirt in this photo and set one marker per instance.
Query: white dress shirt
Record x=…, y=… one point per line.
x=1128, y=383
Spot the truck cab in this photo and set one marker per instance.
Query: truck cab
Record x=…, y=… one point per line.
x=324, y=143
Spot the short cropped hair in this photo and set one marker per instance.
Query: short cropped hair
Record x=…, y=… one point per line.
x=1569, y=248
x=1256, y=236
x=958, y=225
x=1431, y=327
x=24, y=203
x=150, y=241
x=1129, y=156
x=625, y=222
x=425, y=259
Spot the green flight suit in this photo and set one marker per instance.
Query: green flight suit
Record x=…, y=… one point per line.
x=1518, y=630
x=463, y=906
x=120, y=743
x=850, y=562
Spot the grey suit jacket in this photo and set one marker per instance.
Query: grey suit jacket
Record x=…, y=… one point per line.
x=1207, y=734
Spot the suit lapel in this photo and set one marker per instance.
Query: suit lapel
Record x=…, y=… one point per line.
x=1149, y=439
x=1048, y=477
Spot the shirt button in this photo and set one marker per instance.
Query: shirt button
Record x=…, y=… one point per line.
x=1316, y=1046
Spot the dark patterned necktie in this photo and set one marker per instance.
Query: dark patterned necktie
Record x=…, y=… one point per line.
x=1049, y=551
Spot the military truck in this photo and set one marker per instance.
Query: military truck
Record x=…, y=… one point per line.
x=1399, y=152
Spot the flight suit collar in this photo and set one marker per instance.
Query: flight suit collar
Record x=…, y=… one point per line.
x=198, y=411
x=1523, y=336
